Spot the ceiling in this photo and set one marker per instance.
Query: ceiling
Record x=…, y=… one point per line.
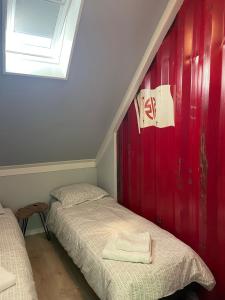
x=44, y=120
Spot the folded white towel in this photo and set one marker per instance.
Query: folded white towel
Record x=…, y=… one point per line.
x=111, y=252
x=7, y=279
x=134, y=242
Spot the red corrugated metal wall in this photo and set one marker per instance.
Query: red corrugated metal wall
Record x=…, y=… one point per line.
x=175, y=176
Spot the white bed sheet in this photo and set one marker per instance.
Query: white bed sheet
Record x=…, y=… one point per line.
x=84, y=229
x=14, y=258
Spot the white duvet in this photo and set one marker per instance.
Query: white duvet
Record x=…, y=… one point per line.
x=84, y=230
x=14, y=258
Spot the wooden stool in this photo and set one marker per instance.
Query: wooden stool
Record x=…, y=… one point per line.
x=23, y=214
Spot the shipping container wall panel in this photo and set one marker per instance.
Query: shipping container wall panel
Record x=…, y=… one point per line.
x=175, y=176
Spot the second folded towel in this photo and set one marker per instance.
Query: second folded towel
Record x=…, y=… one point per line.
x=134, y=242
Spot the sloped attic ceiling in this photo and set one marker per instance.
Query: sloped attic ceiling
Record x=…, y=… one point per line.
x=43, y=120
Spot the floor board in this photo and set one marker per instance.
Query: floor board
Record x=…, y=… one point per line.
x=55, y=275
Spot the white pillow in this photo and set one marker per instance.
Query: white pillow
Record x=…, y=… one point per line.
x=77, y=193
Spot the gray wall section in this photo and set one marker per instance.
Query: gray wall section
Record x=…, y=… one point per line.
x=20, y=190
x=45, y=120
x=105, y=170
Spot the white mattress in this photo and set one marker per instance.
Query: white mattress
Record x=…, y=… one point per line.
x=84, y=229
x=14, y=258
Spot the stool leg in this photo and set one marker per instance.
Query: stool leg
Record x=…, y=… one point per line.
x=22, y=225
x=43, y=221
x=25, y=226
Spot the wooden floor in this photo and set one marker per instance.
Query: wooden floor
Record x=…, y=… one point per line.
x=55, y=275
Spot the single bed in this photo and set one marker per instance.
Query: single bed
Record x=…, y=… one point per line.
x=14, y=258
x=84, y=229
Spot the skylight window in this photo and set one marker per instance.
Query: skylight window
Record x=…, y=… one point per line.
x=39, y=36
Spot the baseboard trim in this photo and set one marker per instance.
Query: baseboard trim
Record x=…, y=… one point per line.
x=34, y=231
x=46, y=167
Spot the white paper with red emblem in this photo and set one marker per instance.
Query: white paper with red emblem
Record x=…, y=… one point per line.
x=155, y=107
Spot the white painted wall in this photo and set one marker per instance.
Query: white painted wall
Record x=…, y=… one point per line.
x=106, y=169
x=20, y=190
x=44, y=120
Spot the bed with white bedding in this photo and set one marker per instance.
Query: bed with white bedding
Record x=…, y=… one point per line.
x=14, y=259
x=84, y=230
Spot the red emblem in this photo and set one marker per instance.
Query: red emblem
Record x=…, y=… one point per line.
x=150, y=108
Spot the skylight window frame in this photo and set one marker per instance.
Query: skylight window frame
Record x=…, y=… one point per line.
x=43, y=65
x=52, y=52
